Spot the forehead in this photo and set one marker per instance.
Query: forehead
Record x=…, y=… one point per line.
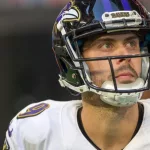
x=113, y=37
x=118, y=36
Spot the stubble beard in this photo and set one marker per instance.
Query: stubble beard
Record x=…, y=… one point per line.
x=98, y=79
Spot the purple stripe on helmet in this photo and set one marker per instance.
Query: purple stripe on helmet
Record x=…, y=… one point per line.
x=126, y=4
x=64, y=9
x=107, y=5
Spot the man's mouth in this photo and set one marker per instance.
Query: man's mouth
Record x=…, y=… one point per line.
x=125, y=76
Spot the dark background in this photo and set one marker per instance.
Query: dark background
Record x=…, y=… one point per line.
x=28, y=72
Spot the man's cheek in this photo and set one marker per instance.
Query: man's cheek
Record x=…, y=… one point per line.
x=139, y=69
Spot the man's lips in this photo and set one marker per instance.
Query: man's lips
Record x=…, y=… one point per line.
x=126, y=74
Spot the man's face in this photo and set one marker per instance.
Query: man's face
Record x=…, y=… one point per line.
x=126, y=70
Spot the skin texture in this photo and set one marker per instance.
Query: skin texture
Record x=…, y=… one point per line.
x=113, y=46
x=146, y=95
x=110, y=128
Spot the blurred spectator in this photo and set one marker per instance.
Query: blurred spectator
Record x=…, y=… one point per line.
x=58, y=2
x=31, y=3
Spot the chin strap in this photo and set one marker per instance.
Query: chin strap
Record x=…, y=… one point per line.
x=114, y=99
x=122, y=99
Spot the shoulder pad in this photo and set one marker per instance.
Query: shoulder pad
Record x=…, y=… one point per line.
x=30, y=126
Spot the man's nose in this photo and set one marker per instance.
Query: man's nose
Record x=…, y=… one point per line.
x=123, y=52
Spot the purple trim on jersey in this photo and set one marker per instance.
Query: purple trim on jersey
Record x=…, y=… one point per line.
x=126, y=4
x=33, y=111
x=10, y=132
x=107, y=5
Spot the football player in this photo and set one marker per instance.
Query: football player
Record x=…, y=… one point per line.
x=102, y=50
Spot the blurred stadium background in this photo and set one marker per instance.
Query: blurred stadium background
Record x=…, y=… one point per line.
x=28, y=72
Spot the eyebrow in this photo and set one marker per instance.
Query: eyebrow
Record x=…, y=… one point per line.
x=111, y=39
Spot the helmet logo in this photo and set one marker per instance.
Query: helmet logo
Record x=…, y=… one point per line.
x=70, y=13
x=73, y=14
x=120, y=14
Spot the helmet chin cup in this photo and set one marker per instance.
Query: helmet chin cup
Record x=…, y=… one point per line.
x=122, y=99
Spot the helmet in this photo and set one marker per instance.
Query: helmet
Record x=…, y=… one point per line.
x=81, y=19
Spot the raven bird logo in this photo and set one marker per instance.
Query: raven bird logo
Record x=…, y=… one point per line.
x=70, y=14
x=73, y=14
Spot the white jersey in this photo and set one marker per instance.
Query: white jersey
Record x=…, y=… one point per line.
x=53, y=125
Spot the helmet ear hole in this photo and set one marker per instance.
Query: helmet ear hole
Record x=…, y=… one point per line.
x=69, y=73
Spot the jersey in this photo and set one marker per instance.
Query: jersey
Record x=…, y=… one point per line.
x=53, y=125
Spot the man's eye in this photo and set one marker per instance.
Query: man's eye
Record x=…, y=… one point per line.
x=106, y=46
x=131, y=44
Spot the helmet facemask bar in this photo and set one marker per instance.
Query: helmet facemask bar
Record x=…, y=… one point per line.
x=72, y=38
x=116, y=89
x=75, y=35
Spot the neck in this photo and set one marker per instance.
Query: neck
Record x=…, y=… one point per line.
x=109, y=126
